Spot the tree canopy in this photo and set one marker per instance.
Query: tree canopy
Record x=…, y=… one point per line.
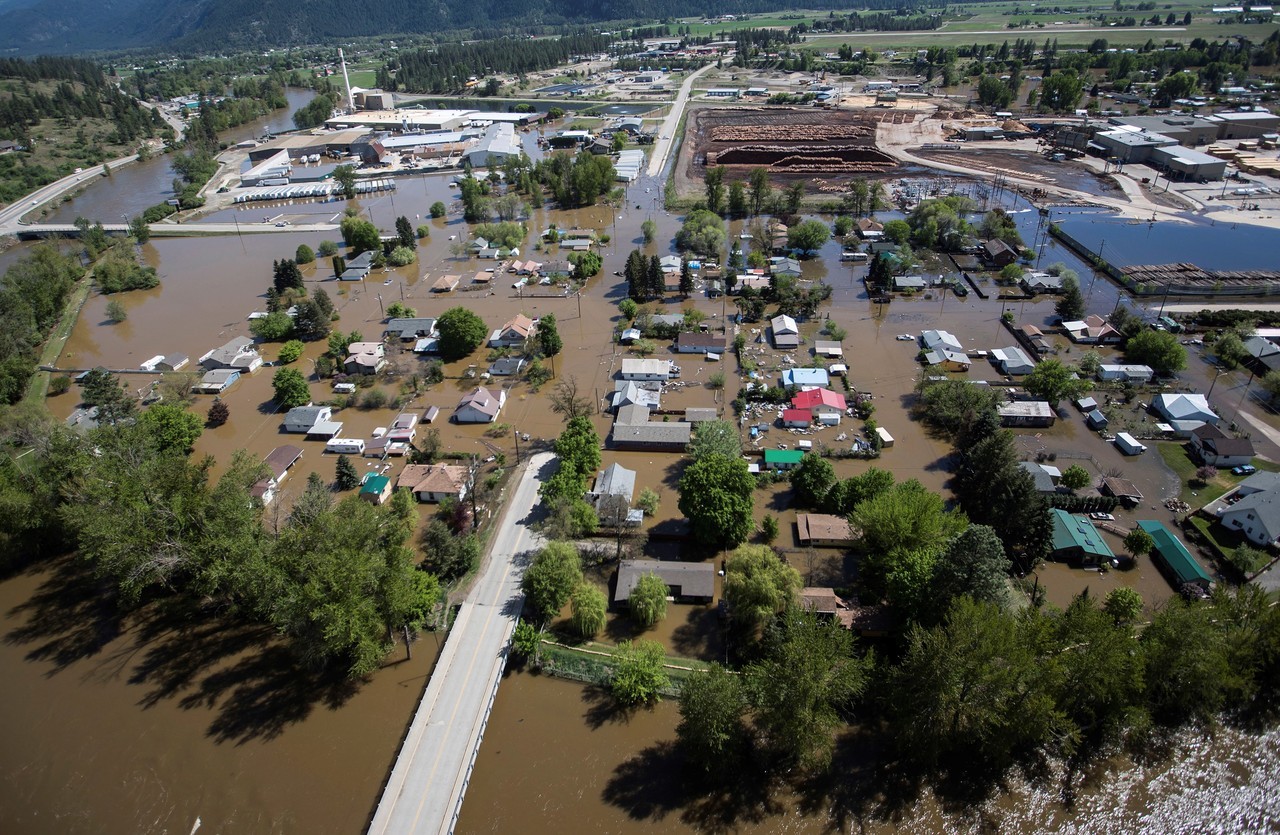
x=461, y=332
x=716, y=498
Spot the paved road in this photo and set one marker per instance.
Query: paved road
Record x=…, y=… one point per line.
x=433, y=768
x=193, y=228
x=10, y=215
x=667, y=133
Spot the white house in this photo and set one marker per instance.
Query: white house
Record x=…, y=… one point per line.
x=301, y=419
x=1012, y=361
x=480, y=406
x=239, y=354
x=1218, y=449
x=216, y=382
x=1136, y=374
x=1184, y=407
x=1257, y=516
x=933, y=340
x=365, y=358
x=786, y=333
x=514, y=333
x=434, y=482
x=647, y=369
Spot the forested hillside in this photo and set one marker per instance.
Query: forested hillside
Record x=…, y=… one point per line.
x=444, y=69
x=59, y=26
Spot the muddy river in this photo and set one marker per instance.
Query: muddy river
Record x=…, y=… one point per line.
x=116, y=728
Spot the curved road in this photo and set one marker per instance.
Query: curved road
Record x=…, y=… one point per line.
x=667, y=133
x=11, y=216
x=424, y=793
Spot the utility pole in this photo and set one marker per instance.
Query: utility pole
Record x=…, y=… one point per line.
x=515, y=433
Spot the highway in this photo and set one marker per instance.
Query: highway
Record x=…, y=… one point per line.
x=424, y=793
x=667, y=133
x=10, y=216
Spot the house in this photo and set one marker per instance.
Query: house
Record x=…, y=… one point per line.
x=446, y=284
x=1263, y=352
x=479, y=245
x=216, y=382
x=1122, y=488
x=632, y=429
x=801, y=378
x=948, y=360
x=480, y=406
x=909, y=283
x=665, y=320
x=687, y=582
x=699, y=343
x=1173, y=558
x=1077, y=541
x=1027, y=413
x=786, y=334
x=434, y=482
x=933, y=340
x=796, y=418
x=1034, y=338
x=278, y=464
x=365, y=358
x=1012, y=361
x=1136, y=374
x=1218, y=449
x=629, y=335
x=404, y=428
x=828, y=348
x=506, y=366
x=700, y=414
x=783, y=459
x=376, y=489
x=1038, y=282
x=410, y=329
x=239, y=354
x=1257, y=516
x=302, y=419
x=822, y=529
x=173, y=362
x=633, y=393
x=1184, y=407
x=670, y=262
x=997, y=253
x=868, y=229
x=514, y=333
x=1094, y=330
x=786, y=268
x=357, y=268
x=1045, y=477
x=614, y=480
x=647, y=369
x=825, y=405
x=427, y=345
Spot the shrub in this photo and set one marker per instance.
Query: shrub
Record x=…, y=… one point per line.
x=423, y=231
x=304, y=254
x=290, y=351
x=59, y=384
x=116, y=311
x=437, y=209
x=328, y=248
x=401, y=256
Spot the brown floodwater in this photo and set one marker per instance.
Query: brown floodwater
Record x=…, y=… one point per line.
x=96, y=746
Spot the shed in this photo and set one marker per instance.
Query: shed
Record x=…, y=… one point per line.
x=783, y=459
x=1173, y=558
x=376, y=489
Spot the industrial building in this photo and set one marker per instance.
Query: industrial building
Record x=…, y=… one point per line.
x=499, y=144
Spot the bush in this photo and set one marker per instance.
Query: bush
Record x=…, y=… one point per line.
x=290, y=351
x=116, y=311
x=59, y=384
x=373, y=399
x=218, y=414
x=304, y=254
x=328, y=248
x=648, y=501
x=423, y=231
x=437, y=209
x=401, y=256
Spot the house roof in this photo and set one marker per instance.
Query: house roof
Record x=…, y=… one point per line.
x=783, y=456
x=796, y=416
x=282, y=458
x=520, y=324
x=1265, y=507
x=616, y=480
x=1121, y=488
x=376, y=484
x=1175, y=554
x=933, y=339
x=646, y=367
x=698, y=414
x=1012, y=357
x=306, y=414
x=995, y=247
x=506, y=365
x=700, y=340
x=695, y=579
x=407, y=328
x=1184, y=407
x=221, y=375
x=937, y=357
x=828, y=347
x=783, y=325
x=482, y=400
x=1071, y=532
x=1041, y=476
x=1026, y=408
x=631, y=392
x=805, y=377
x=823, y=526
x=819, y=397
x=821, y=600
x=1220, y=443
x=675, y=433
x=432, y=478
x=1127, y=370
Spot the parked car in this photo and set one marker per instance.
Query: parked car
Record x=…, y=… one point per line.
x=1244, y=469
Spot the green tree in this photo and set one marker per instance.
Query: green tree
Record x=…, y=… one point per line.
x=638, y=674
x=973, y=565
x=845, y=495
x=994, y=93
x=1061, y=91
x=402, y=256
x=290, y=351
x=437, y=209
x=800, y=690
x=844, y=224
x=811, y=480
x=101, y=388
x=1158, y=349
x=345, y=177
x=897, y=231
x=769, y=528
x=793, y=196
x=715, y=188
x=648, y=229
x=1076, y=477
x=347, y=476
x=1188, y=668
x=304, y=254
x=1230, y=350
x=360, y=234
x=1052, y=381
x=906, y=517
x=273, y=327
x=758, y=586
x=1138, y=542
x=549, y=336
x=404, y=232
x=1123, y=604
x=218, y=414
x=715, y=437
x=712, y=732
x=648, y=600
x=1071, y=304
x=808, y=236
x=737, y=199
x=760, y=191
x=117, y=312
x=139, y=229
x=173, y=429
x=461, y=332
x=446, y=554
x=588, y=605
x=716, y=498
x=551, y=578
x=702, y=232
x=290, y=388
x=327, y=249
x=628, y=308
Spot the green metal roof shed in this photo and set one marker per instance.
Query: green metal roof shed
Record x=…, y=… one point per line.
x=1174, y=557
x=1077, y=540
x=783, y=458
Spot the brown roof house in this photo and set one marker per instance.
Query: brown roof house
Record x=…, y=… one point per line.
x=480, y=406
x=514, y=333
x=365, y=358
x=998, y=253
x=870, y=621
x=687, y=582
x=434, y=482
x=1218, y=449
x=824, y=529
x=278, y=462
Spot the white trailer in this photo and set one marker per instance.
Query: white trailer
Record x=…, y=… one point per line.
x=1129, y=445
x=345, y=446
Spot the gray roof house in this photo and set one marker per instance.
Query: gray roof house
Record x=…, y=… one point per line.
x=357, y=268
x=690, y=582
x=506, y=366
x=786, y=334
x=933, y=339
x=632, y=429
x=636, y=393
x=1045, y=477
x=615, y=480
x=239, y=354
x=408, y=329
x=1184, y=407
x=1257, y=516
x=302, y=418
x=1012, y=361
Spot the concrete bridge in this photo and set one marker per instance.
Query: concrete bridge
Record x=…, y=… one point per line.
x=424, y=793
x=194, y=229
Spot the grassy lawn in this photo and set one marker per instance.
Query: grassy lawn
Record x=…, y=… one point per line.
x=1175, y=455
x=1224, y=540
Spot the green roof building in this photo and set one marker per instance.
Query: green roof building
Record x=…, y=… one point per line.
x=783, y=459
x=376, y=489
x=1077, y=541
x=1173, y=558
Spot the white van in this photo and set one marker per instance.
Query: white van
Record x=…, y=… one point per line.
x=345, y=446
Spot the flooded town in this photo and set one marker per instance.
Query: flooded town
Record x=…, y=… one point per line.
x=777, y=424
